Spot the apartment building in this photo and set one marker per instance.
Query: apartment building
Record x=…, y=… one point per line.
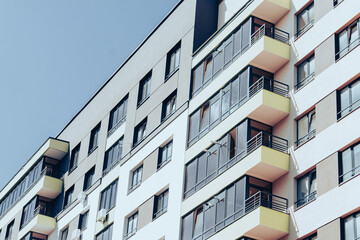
x=232, y=120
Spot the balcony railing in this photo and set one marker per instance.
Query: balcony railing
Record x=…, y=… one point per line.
x=305, y=138
x=304, y=29
x=263, y=83
x=344, y=112
x=347, y=49
x=267, y=200
x=305, y=81
x=270, y=85
x=269, y=31
x=349, y=174
x=261, y=139
x=306, y=199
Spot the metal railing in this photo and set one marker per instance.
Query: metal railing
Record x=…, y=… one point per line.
x=111, y=166
x=304, y=29
x=347, y=49
x=304, y=81
x=270, y=85
x=305, y=138
x=344, y=112
x=267, y=140
x=306, y=199
x=349, y=174
x=158, y=213
x=270, y=31
x=267, y=200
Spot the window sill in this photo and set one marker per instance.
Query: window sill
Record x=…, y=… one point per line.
x=111, y=131
x=305, y=204
x=167, y=77
x=142, y=101
x=92, y=150
x=72, y=169
x=341, y=118
x=159, y=215
x=305, y=82
x=133, y=188
x=338, y=4
x=299, y=146
x=168, y=116
x=339, y=58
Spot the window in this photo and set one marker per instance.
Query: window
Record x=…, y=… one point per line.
x=306, y=188
x=131, y=225
x=349, y=163
x=83, y=220
x=140, y=132
x=108, y=197
x=336, y=2
x=173, y=60
x=306, y=128
x=106, y=234
x=68, y=199
x=28, y=212
x=9, y=230
x=136, y=177
x=117, y=115
x=64, y=234
x=351, y=227
x=168, y=106
x=74, y=158
x=165, y=154
x=305, y=72
x=94, y=138
x=349, y=98
x=144, y=88
x=305, y=19
x=161, y=203
x=347, y=39
x=89, y=178
x=113, y=155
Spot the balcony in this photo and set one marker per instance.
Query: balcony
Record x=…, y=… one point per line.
x=265, y=217
x=265, y=156
x=48, y=185
x=266, y=48
x=266, y=101
x=42, y=221
x=260, y=216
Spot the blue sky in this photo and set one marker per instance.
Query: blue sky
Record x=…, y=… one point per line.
x=54, y=55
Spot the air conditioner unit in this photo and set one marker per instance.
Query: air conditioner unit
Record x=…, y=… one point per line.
x=76, y=235
x=101, y=216
x=82, y=196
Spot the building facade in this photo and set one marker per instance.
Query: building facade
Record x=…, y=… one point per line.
x=233, y=120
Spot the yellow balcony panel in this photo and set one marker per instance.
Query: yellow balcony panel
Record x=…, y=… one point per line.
x=40, y=224
x=54, y=148
x=267, y=164
x=261, y=223
x=269, y=54
x=269, y=107
x=48, y=187
x=272, y=10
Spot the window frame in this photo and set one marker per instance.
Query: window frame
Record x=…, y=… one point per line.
x=339, y=53
x=136, y=172
x=88, y=174
x=310, y=196
x=64, y=233
x=81, y=224
x=171, y=100
x=144, y=89
x=353, y=163
x=119, y=144
x=310, y=22
x=160, y=204
x=311, y=116
x=310, y=76
x=9, y=230
x=140, y=127
x=131, y=219
x=107, y=196
x=94, y=138
x=355, y=219
x=351, y=106
x=119, y=120
x=68, y=194
x=176, y=52
x=74, y=159
x=161, y=161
